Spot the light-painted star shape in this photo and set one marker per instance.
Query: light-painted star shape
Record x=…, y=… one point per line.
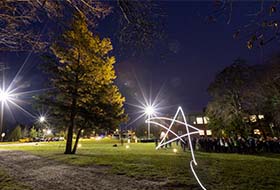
x=188, y=134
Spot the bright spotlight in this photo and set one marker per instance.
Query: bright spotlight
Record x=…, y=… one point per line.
x=42, y=119
x=4, y=96
x=149, y=110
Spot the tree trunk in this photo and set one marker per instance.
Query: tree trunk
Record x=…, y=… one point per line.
x=77, y=141
x=68, y=149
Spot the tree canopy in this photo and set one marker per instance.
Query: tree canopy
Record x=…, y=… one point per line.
x=242, y=94
x=82, y=75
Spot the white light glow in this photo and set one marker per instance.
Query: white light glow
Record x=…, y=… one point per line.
x=199, y=120
x=42, y=119
x=49, y=132
x=127, y=147
x=149, y=110
x=208, y=132
x=187, y=134
x=175, y=150
x=261, y=116
x=79, y=145
x=4, y=96
x=201, y=132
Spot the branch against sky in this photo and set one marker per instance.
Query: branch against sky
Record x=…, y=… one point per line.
x=23, y=22
x=20, y=20
x=262, y=27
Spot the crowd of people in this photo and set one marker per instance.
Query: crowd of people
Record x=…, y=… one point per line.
x=249, y=145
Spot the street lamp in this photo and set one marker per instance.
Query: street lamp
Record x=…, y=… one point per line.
x=4, y=96
x=2, y=136
x=42, y=119
x=149, y=111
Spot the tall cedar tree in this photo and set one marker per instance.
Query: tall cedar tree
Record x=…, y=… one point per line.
x=84, y=94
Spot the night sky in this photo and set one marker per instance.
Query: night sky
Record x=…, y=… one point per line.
x=181, y=68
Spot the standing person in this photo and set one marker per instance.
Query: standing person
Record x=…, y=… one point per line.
x=156, y=142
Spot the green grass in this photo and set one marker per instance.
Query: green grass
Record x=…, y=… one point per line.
x=216, y=171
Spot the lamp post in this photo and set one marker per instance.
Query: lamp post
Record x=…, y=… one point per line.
x=42, y=119
x=2, y=136
x=149, y=111
x=4, y=97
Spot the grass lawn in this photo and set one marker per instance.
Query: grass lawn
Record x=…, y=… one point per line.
x=216, y=171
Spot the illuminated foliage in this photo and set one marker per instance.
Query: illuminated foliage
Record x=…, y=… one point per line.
x=84, y=94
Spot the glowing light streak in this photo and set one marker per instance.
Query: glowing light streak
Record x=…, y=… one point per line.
x=8, y=95
x=188, y=134
x=22, y=109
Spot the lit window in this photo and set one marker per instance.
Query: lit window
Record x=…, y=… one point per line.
x=246, y=119
x=257, y=132
x=208, y=132
x=199, y=120
x=206, y=120
x=201, y=132
x=261, y=116
x=253, y=118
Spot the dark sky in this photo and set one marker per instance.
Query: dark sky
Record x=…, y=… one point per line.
x=197, y=52
x=183, y=65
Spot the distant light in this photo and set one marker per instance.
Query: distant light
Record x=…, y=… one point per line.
x=175, y=150
x=201, y=132
x=253, y=118
x=149, y=110
x=49, y=132
x=261, y=116
x=127, y=146
x=79, y=145
x=42, y=119
x=199, y=120
x=208, y=132
x=98, y=138
x=257, y=132
x=3, y=135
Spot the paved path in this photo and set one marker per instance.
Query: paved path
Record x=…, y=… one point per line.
x=44, y=174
